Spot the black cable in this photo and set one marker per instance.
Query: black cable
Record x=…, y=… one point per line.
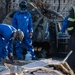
x=58, y=6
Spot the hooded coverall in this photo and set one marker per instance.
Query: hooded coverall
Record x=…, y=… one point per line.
x=23, y=21
x=6, y=33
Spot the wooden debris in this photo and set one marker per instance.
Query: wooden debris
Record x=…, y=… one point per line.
x=40, y=67
x=43, y=67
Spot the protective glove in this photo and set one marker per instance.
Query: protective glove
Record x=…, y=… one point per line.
x=31, y=34
x=11, y=58
x=60, y=32
x=7, y=61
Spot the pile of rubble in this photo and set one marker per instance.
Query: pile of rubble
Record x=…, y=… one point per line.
x=38, y=67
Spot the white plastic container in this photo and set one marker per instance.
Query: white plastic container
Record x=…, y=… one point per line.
x=28, y=56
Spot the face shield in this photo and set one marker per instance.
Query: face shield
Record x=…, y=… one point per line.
x=23, y=10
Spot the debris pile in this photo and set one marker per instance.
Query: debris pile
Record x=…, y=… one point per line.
x=39, y=67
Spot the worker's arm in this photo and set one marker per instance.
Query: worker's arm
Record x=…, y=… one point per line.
x=10, y=48
x=30, y=25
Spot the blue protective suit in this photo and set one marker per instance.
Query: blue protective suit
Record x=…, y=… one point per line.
x=6, y=33
x=23, y=21
x=64, y=24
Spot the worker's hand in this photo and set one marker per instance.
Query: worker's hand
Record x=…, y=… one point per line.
x=11, y=57
x=6, y=60
x=31, y=34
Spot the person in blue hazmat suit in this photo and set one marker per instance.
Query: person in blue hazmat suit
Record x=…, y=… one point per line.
x=22, y=20
x=64, y=25
x=7, y=34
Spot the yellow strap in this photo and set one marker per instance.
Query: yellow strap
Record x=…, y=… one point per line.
x=70, y=28
x=71, y=19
